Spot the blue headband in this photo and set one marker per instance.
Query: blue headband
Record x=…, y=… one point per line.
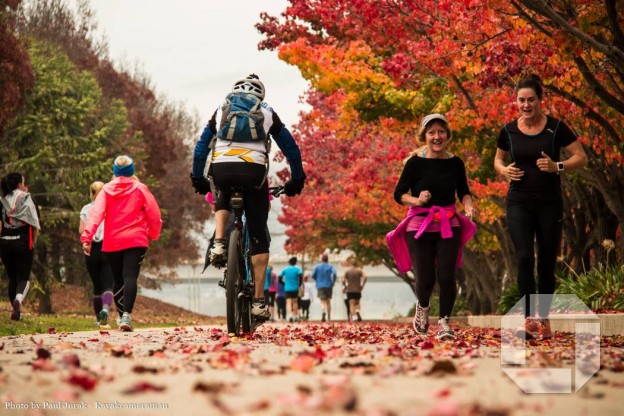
x=127, y=170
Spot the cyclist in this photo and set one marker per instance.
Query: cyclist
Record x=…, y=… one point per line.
x=245, y=164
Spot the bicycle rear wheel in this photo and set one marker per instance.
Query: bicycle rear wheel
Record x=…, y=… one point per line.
x=234, y=283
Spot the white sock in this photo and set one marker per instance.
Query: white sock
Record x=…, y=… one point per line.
x=19, y=297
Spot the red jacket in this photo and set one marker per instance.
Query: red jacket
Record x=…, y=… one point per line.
x=131, y=213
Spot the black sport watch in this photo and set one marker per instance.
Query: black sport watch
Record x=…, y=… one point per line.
x=560, y=166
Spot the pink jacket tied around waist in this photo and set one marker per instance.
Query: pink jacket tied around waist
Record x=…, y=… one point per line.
x=397, y=238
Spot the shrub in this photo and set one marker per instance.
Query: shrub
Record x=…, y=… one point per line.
x=508, y=299
x=600, y=288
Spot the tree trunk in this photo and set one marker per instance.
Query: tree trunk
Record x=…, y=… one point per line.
x=608, y=180
x=42, y=276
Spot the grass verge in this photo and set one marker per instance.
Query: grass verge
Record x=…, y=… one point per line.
x=42, y=324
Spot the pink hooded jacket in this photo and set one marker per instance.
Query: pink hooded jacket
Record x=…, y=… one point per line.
x=397, y=242
x=131, y=212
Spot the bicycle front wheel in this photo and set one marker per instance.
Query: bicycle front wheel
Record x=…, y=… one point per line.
x=235, y=278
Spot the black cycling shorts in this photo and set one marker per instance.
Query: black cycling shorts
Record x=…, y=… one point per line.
x=248, y=176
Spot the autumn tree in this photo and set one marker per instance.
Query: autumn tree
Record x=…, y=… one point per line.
x=59, y=142
x=159, y=132
x=381, y=66
x=16, y=75
x=166, y=128
x=591, y=33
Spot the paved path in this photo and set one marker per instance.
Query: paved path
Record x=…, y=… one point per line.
x=301, y=369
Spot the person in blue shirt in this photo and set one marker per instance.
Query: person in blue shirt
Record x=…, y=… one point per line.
x=325, y=276
x=292, y=277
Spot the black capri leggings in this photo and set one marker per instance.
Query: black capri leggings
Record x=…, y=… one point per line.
x=125, y=265
x=99, y=270
x=248, y=176
x=529, y=222
x=17, y=258
x=434, y=256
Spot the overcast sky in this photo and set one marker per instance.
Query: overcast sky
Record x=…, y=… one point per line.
x=194, y=50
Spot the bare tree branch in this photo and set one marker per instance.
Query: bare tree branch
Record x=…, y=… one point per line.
x=465, y=93
x=618, y=35
x=543, y=8
x=531, y=20
x=597, y=87
x=591, y=114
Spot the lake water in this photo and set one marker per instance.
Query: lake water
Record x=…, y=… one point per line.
x=382, y=298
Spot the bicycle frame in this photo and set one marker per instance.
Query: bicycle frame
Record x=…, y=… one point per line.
x=242, y=289
x=240, y=223
x=239, y=274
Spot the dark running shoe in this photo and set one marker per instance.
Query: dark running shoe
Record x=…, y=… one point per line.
x=16, y=313
x=530, y=329
x=544, y=329
x=103, y=318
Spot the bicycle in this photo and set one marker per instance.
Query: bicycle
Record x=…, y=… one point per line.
x=238, y=275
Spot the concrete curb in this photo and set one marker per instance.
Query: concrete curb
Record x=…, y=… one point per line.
x=610, y=324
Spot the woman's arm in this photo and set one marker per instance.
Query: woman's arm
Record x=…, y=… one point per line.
x=423, y=198
x=577, y=160
x=96, y=216
x=469, y=209
x=509, y=172
x=578, y=157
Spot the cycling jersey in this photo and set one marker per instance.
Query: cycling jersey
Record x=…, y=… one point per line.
x=248, y=152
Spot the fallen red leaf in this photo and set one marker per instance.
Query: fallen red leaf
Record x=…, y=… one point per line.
x=303, y=363
x=71, y=360
x=140, y=369
x=426, y=345
x=43, y=364
x=442, y=393
x=43, y=353
x=82, y=378
x=143, y=387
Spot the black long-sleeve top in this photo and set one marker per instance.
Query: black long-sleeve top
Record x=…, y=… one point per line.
x=442, y=177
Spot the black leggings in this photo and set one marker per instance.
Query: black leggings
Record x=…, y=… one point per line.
x=17, y=258
x=269, y=298
x=531, y=222
x=99, y=270
x=434, y=256
x=305, y=307
x=280, y=301
x=247, y=176
x=125, y=265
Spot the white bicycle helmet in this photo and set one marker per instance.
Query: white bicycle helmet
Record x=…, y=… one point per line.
x=250, y=85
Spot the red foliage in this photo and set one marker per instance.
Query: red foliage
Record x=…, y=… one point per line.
x=15, y=68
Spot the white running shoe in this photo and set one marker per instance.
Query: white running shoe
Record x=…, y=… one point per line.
x=260, y=311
